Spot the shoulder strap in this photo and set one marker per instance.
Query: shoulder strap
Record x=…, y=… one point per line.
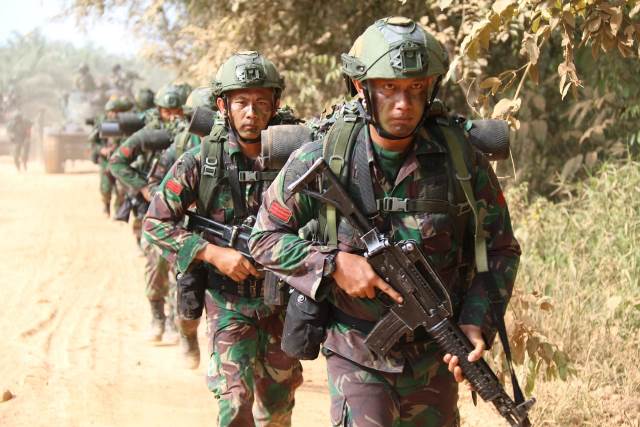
x=337, y=149
x=458, y=146
x=212, y=170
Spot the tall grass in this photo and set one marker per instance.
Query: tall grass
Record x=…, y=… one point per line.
x=578, y=288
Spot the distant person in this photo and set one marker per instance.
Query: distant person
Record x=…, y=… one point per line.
x=84, y=80
x=19, y=128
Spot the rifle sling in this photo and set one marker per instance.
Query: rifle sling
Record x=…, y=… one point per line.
x=237, y=193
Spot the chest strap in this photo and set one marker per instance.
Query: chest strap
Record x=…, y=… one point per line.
x=257, y=176
x=395, y=204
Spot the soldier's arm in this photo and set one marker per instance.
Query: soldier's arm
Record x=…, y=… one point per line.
x=162, y=224
x=167, y=159
x=503, y=251
x=120, y=163
x=275, y=242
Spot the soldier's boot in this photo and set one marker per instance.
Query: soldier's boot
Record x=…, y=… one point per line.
x=157, y=320
x=171, y=335
x=189, y=342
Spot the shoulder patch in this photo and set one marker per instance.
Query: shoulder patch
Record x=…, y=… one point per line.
x=126, y=151
x=281, y=212
x=174, y=186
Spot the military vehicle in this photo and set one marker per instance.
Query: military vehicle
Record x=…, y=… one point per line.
x=69, y=140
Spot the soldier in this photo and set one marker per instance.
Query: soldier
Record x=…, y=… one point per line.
x=102, y=148
x=132, y=165
x=248, y=372
x=84, y=80
x=19, y=128
x=395, y=68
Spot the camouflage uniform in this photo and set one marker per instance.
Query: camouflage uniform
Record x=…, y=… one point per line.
x=411, y=385
x=20, y=132
x=130, y=164
x=252, y=378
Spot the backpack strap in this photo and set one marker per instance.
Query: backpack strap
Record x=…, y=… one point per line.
x=337, y=148
x=212, y=170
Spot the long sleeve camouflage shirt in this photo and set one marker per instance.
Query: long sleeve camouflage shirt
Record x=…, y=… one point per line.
x=130, y=164
x=164, y=223
x=276, y=245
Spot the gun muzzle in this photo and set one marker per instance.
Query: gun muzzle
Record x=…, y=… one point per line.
x=155, y=139
x=110, y=130
x=278, y=142
x=90, y=122
x=130, y=123
x=202, y=120
x=491, y=137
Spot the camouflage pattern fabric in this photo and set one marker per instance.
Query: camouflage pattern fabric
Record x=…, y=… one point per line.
x=276, y=245
x=184, y=141
x=246, y=361
x=247, y=368
x=19, y=129
x=425, y=394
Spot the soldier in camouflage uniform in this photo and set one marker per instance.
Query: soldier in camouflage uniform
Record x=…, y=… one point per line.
x=251, y=376
x=102, y=148
x=132, y=166
x=395, y=68
x=19, y=129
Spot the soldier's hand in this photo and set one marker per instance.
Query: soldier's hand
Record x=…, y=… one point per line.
x=355, y=276
x=146, y=193
x=230, y=262
x=474, y=333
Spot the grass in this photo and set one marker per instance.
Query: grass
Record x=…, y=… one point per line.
x=578, y=291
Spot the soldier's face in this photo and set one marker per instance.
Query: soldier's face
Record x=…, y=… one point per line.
x=399, y=103
x=112, y=115
x=170, y=114
x=250, y=110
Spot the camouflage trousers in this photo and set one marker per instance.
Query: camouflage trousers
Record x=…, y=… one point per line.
x=109, y=186
x=424, y=395
x=252, y=378
x=160, y=278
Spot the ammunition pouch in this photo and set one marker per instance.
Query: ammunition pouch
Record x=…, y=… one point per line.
x=305, y=326
x=275, y=290
x=190, y=292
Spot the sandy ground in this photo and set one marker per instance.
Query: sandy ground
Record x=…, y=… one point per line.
x=73, y=316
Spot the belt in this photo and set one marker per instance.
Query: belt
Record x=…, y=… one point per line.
x=249, y=288
x=420, y=335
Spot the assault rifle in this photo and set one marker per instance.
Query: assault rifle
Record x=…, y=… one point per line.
x=237, y=237
x=426, y=302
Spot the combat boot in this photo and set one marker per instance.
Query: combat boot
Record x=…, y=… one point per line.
x=189, y=342
x=171, y=336
x=157, y=320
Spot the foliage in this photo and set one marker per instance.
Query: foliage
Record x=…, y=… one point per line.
x=579, y=287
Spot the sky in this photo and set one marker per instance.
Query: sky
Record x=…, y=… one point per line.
x=23, y=16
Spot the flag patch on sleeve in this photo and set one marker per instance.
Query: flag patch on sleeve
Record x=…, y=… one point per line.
x=281, y=212
x=125, y=151
x=174, y=187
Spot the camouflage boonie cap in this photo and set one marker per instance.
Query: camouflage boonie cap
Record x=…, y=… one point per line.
x=168, y=96
x=394, y=48
x=118, y=104
x=248, y=69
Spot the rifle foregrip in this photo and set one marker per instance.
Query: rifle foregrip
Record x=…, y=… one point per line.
x=386, y=333
x=451, y=339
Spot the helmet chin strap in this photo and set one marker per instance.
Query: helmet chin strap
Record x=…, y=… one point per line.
x=372, y=120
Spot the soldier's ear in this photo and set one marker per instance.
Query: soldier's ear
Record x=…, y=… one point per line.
x=358, y=85
x=220, y=104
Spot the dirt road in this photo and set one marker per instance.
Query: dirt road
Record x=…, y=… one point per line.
x=73, y=316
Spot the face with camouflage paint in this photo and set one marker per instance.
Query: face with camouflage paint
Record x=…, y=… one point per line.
x=250, y=110
x=398, y=104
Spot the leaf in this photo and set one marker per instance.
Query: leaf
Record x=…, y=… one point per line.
x=505, y=107
x=534, y=74
x=490, y=82
x=539, y=102
x=501, y=6
x=545, y=303
x=530, y=47
x=562, y=362
x=532, y=346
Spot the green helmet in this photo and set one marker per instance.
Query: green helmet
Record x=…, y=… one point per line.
x=144, y=99
x=200, y=97
x=168, y=96
x=118, y=104
x=247, y=69
x=184, y=89
x=394, y=48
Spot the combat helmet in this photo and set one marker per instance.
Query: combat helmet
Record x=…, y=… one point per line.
x=144, y=99
x=199, y=97
x=184, y=89
x=247, y=69
x=118, y=104
x=168, y=96
x=394, y=48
